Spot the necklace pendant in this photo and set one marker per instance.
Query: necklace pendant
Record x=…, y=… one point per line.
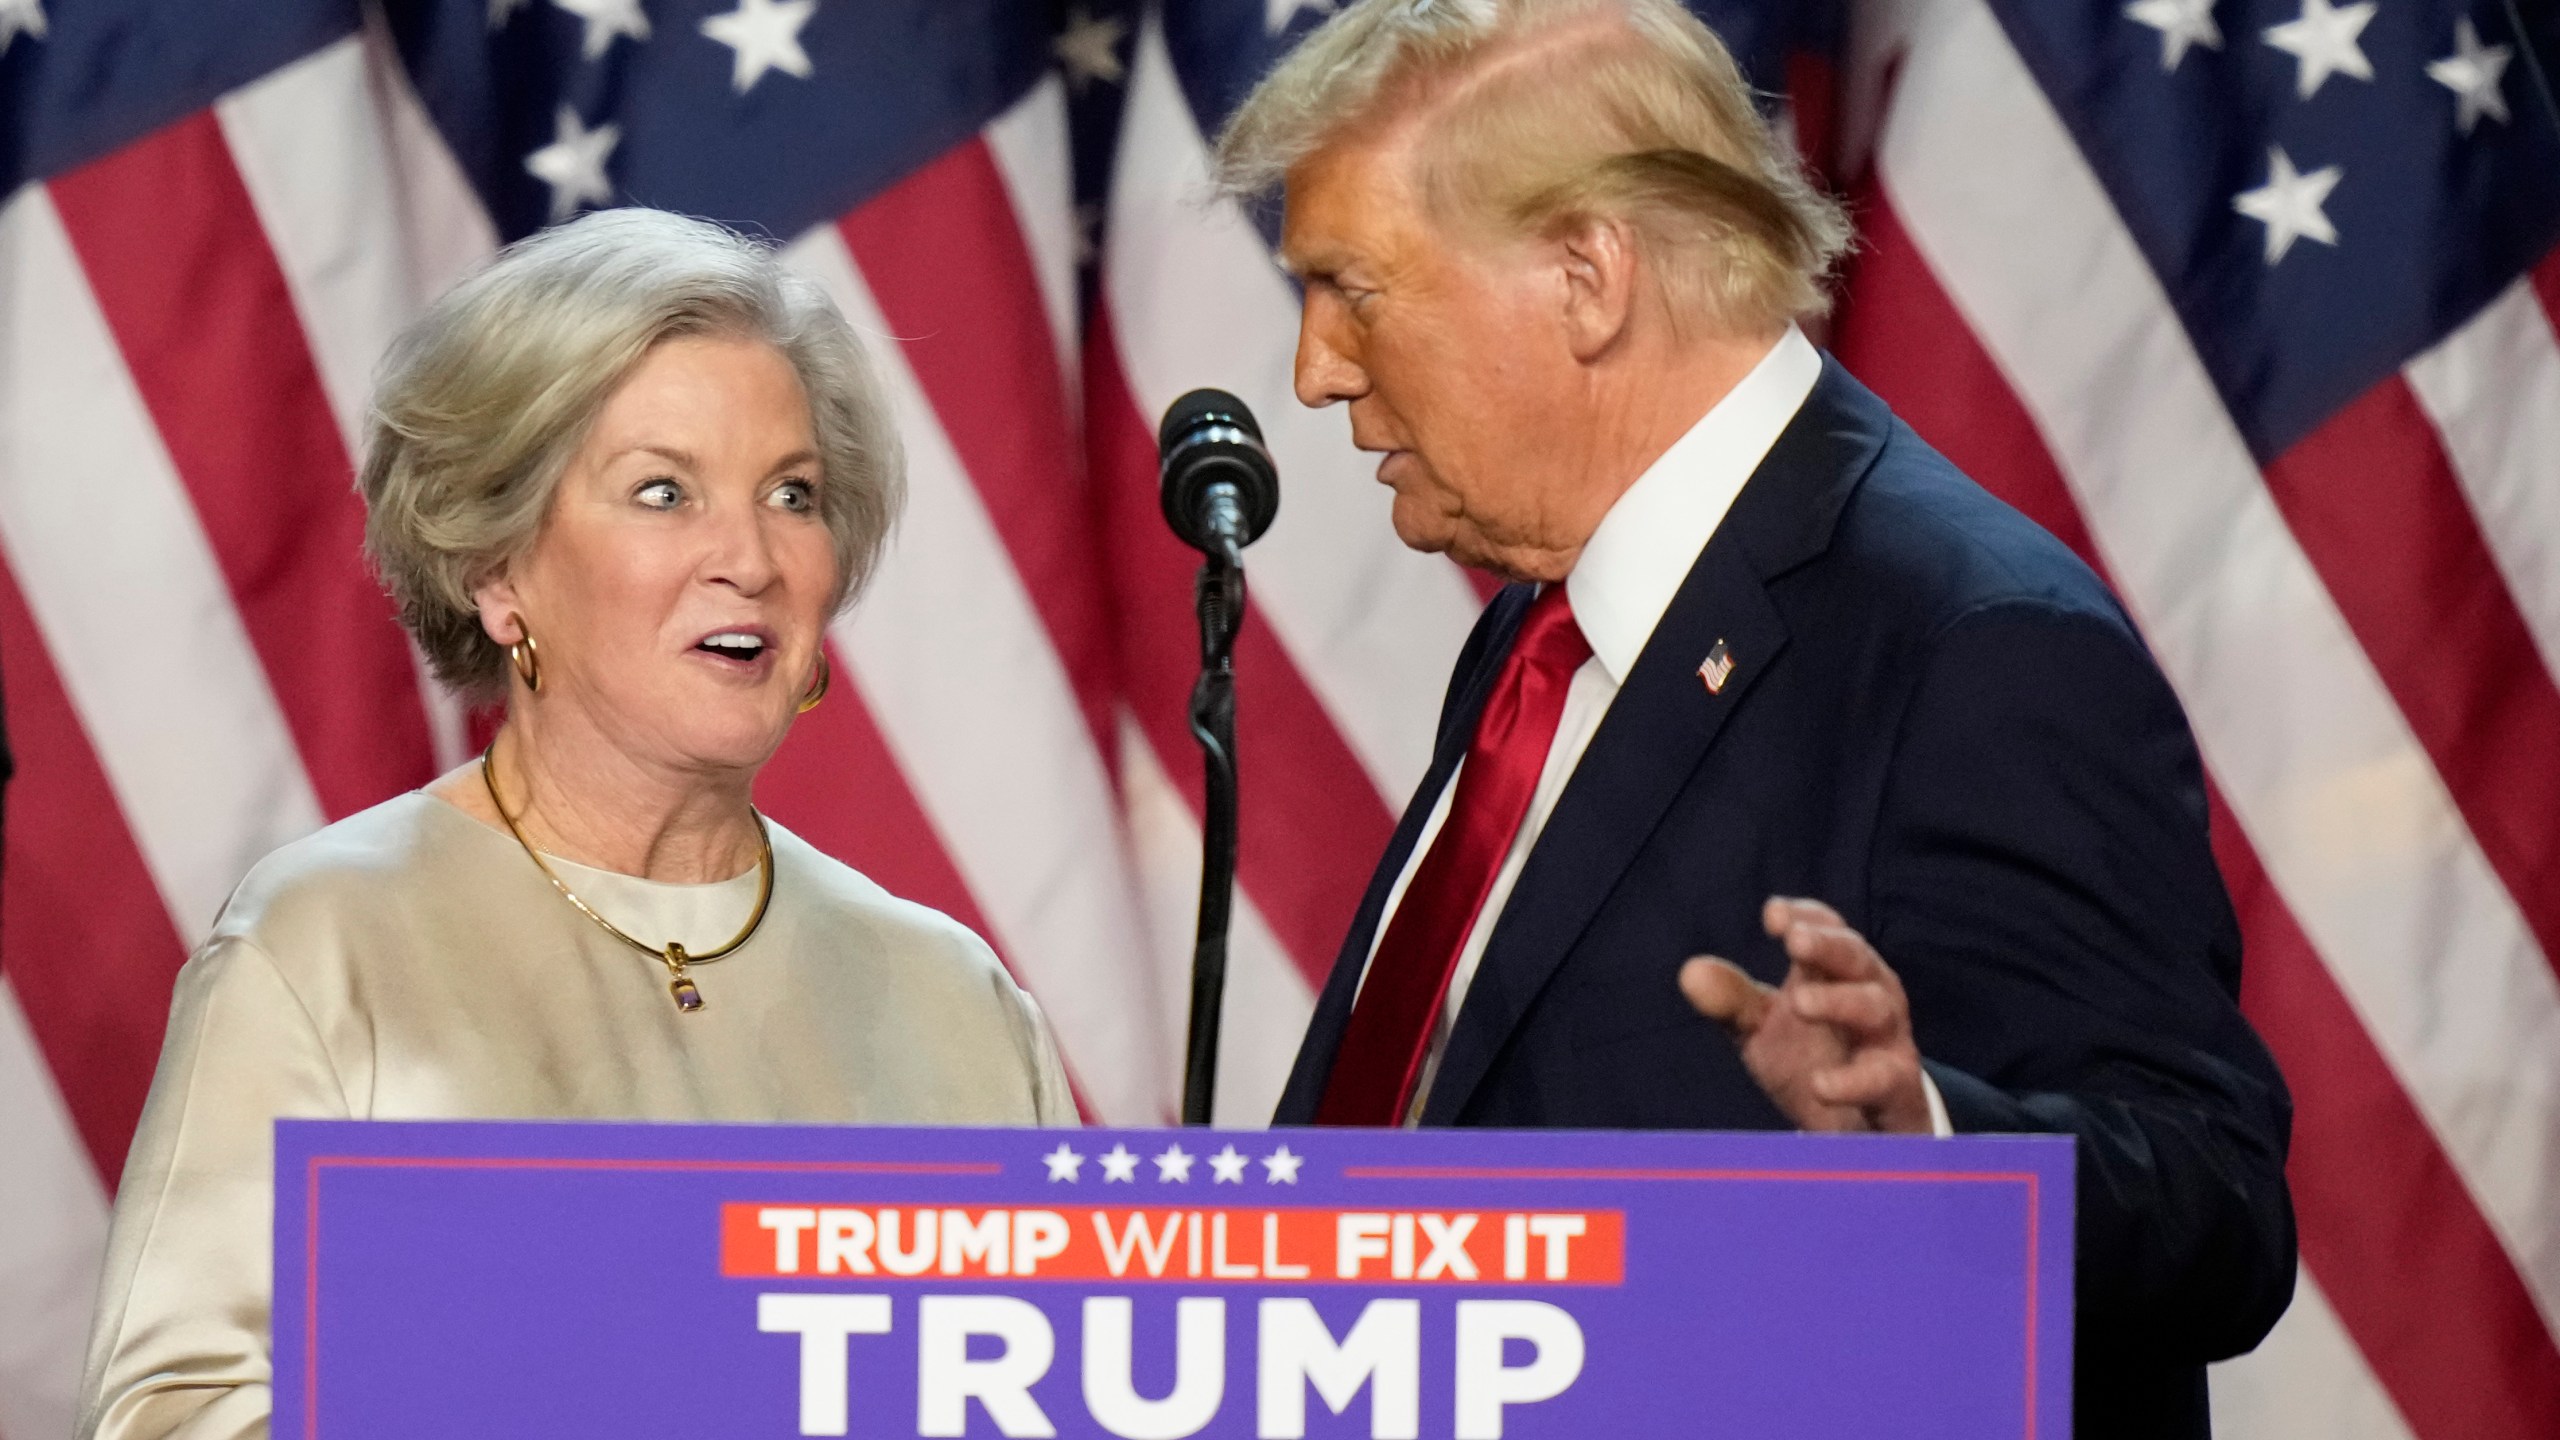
x=679, y=984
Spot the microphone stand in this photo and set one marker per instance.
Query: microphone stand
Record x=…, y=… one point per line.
x=1219, y=596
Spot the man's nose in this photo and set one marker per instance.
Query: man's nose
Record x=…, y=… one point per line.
x=1324, y=372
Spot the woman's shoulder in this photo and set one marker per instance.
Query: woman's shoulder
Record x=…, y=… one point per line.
x=362, y=860
x=842, y=894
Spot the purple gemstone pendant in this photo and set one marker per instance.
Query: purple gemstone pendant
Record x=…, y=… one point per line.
x=679, y=984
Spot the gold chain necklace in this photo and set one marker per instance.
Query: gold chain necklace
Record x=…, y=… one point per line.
x=688, y=996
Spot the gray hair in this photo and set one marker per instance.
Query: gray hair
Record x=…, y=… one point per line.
x=482, y=403
x=1542, y=114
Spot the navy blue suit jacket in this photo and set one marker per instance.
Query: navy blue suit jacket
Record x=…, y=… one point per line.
x=1943, y=724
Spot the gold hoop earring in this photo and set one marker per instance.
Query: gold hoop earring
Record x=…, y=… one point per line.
x=527, y=658
x=818, y=686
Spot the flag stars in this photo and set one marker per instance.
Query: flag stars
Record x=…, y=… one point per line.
x=2322, y=41
x=1088, y=50
x=573, y=164
x=766, y=36
x=1119, y=1164
x=2474, y=72
x=2289, y=204
x=20, y=17
x=1064, y=1164
x=607, y=19
x=2181, y=23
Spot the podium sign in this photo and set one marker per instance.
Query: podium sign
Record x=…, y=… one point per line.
x=573, y=1280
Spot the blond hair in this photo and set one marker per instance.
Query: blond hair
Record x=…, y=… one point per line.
x=1539, y=115
x=482, y=403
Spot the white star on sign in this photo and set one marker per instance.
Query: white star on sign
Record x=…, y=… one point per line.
x=1173, y=1167
x=2476, y=73
x=20, y=17
x=573, y=165
x=1276, y=14
x=2289, y=204
x=2181, y=23
x=1119, y=1164
x=2322, y=41
x=1227, y=1167
x=1064, y=1164
x=766, y=35
x=1089, y=49
x=606, y=19
x=1281, y=1168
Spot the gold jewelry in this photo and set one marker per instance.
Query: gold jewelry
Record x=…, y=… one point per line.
x=527, y=658
x=818, y=687
x=687, y=995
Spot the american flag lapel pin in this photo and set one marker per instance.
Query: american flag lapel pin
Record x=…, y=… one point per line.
x=1717, y=668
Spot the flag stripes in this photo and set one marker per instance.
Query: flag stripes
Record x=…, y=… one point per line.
x=947, y=263
x=947, y=644
x=2492, y=391
x=87, y=941
x=2403, y=558
x=2383, y=1215
x=2391, y=964
x=183, y=272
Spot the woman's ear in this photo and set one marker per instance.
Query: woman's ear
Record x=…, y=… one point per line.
x=501, y=609
x=1598, y=257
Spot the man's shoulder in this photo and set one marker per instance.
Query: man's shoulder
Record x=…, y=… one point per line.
x=1920, y=541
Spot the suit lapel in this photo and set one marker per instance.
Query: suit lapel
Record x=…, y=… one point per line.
x=1665, y=719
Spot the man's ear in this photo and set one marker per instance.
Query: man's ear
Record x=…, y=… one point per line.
x=1599, y=260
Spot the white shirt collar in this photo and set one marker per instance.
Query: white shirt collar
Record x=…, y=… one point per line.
x=1649, y=540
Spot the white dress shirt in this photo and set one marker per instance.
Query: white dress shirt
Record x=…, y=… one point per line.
x=1633, y=565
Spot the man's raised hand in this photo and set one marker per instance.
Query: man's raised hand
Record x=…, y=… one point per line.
x=1832, y=1044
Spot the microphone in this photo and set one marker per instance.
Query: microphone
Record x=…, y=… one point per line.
x=1220, y=488
x=1220, y=492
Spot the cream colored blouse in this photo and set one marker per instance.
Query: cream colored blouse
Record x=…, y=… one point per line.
x=411, y=963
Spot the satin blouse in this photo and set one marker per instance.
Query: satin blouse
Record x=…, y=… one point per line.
x=411, y=963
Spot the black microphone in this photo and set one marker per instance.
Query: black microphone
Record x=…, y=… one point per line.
x=1220, y=492
x=1220, y=489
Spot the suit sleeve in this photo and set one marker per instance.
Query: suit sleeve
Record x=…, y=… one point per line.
x=2044, y=882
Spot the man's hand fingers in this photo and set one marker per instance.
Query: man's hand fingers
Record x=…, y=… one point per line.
x=1722, y=993
x=1831, y=952
x=1864, y=1008
x=1868, y=1079
x=1779, y=913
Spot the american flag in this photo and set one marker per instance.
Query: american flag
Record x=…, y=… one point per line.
x=2250, y=300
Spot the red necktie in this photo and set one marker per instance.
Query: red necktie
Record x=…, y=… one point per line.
x=1408, y=980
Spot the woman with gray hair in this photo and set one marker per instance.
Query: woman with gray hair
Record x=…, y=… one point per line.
x=623, y=478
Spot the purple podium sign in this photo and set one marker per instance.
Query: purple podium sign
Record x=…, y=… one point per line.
x=570, y=1280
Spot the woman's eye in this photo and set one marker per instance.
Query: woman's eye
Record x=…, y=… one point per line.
x=661, y=495
x=798, y=496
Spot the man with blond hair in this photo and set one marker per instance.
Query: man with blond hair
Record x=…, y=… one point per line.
x=1761, y=643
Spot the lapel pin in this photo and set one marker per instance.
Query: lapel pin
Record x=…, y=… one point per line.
x=1717, y=668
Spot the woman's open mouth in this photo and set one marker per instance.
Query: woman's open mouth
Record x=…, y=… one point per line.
x=738, y=647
